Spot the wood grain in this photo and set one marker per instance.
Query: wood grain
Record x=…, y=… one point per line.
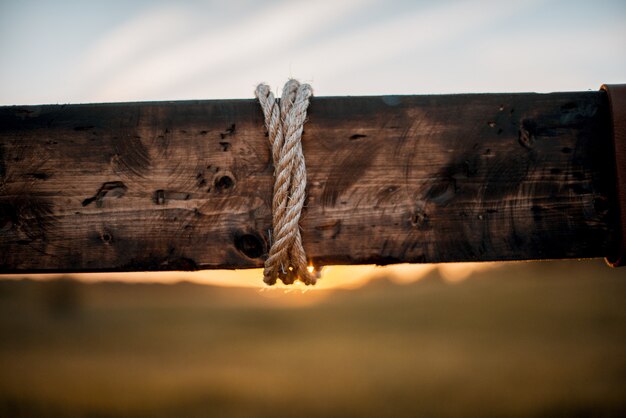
x=188, y=185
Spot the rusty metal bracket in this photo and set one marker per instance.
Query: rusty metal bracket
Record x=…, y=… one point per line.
x=617, y=100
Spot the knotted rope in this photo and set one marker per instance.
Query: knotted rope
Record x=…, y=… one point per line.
x=284, y=121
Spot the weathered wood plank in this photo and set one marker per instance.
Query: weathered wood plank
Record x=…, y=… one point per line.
x=187, y=185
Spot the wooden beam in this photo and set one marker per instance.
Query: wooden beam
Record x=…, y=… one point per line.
x=188, y=185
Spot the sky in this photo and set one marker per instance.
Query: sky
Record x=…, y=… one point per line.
x=78, y=51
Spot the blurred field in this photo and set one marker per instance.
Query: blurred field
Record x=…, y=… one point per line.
x=524, y=339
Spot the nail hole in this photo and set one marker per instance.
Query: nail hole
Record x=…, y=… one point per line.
x=250, y=245
x=419, y=219
x=106, y=237
x=224, y=183
x=229, y=131
x=526, y=134
x=159, y=197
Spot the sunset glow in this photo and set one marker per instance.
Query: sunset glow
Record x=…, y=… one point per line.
x=187, y=50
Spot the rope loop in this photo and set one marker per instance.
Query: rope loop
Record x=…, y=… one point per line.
x=284, y=120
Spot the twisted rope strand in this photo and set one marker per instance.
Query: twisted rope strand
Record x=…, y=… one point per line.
x=284, y=121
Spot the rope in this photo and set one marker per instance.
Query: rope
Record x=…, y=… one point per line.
x=284, y=120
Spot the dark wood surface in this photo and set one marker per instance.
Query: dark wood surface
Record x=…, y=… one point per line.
x=188, y=185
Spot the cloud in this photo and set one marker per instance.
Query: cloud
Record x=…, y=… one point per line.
x=249, y=40
x=144, y=34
